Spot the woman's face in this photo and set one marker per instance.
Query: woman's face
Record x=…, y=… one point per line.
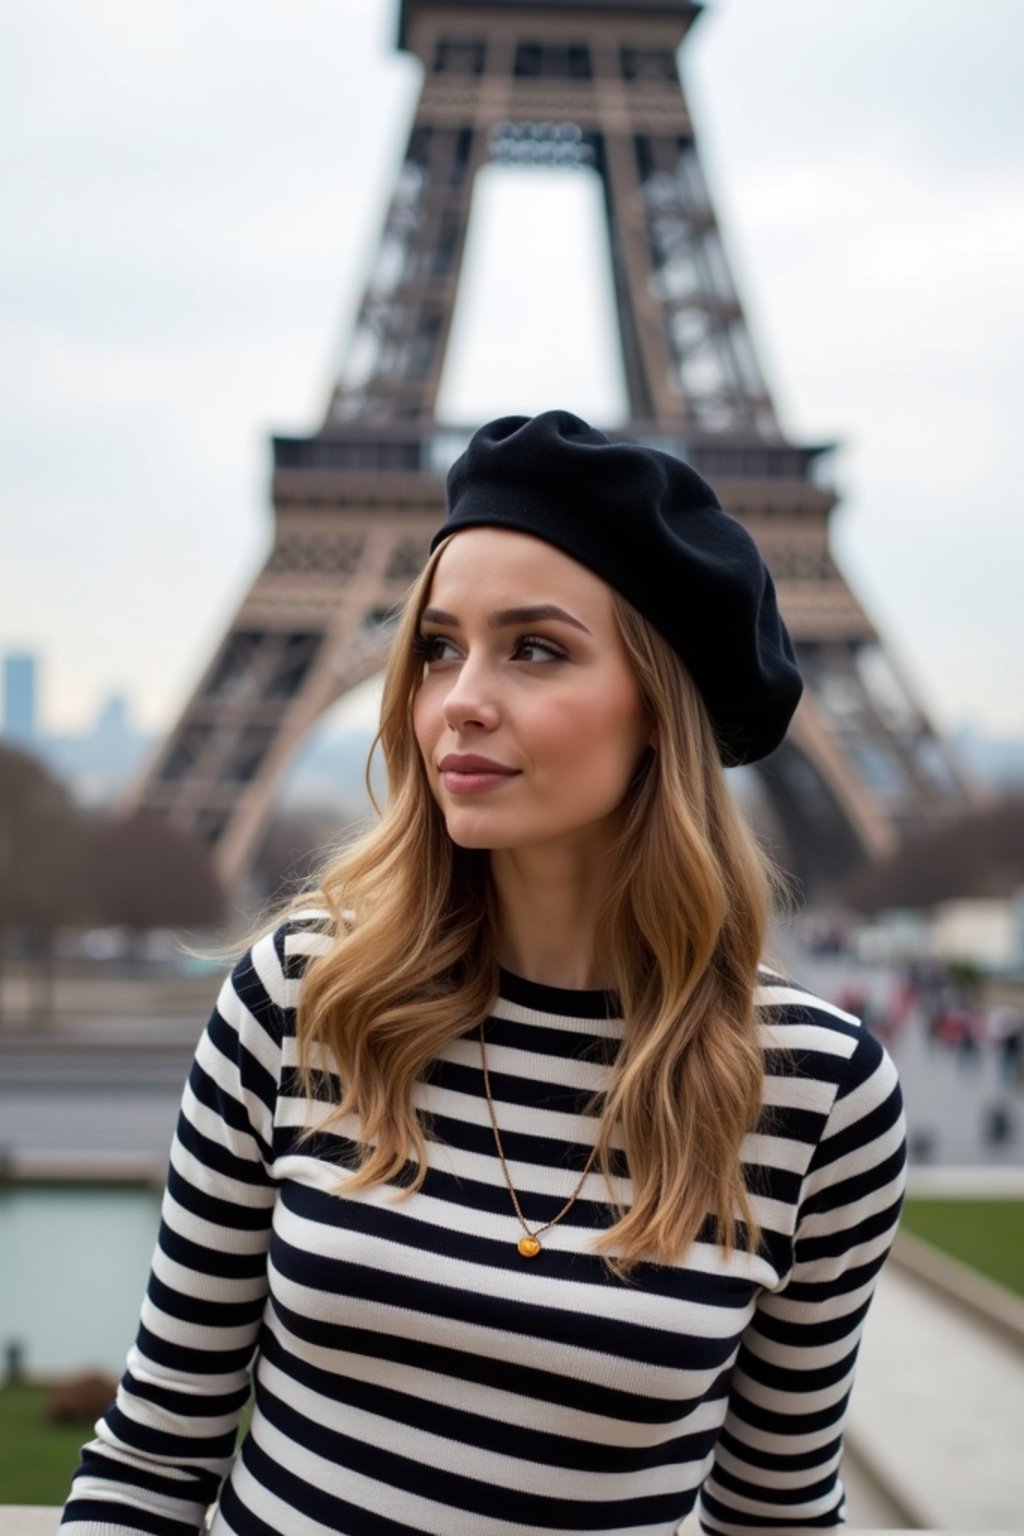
x=528, y=717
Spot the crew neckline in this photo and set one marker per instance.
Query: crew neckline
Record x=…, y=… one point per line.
x=572, y=1002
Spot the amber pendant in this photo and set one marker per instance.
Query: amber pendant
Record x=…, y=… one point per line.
x=529, y=1247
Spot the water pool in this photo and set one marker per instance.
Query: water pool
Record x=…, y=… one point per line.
x=73, y=1267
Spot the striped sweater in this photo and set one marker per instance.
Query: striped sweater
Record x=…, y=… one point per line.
x=413, y=1373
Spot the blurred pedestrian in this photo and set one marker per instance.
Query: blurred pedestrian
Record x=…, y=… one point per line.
x=1004, y=1026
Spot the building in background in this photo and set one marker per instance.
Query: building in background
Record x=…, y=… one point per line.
x=19, y=707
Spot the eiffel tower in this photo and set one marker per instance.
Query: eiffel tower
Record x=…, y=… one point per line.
x=593, y=86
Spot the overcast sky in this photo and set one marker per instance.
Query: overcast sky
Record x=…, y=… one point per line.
x=191, y=195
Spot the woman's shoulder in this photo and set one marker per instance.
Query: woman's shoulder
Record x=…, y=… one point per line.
x=806, y=1035
x=830, y=1083
x=265, y=979
x=302, y=935
x=787, y=1003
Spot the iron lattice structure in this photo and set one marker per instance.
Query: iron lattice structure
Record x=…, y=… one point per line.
x=594, y=86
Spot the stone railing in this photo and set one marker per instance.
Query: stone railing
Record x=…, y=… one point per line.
x=21, y=1520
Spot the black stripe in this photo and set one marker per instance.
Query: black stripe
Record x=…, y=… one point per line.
x=524, y=1092
x=805, y=1125
x=792, y=1379
x=794, y=1335
x=249, y=988
x=581, y=1330
x=504, y=1375
x=193, y=1484
x=834, y=1245
x=476, y=1429
x=772, y=1422
x=253, y=1075
x=871, y=1128
x=210, y=1261
x=392, y=1224
x=201, y=1313
x=220, y=1102
x=215, y=1156
x=339, y=1515
x=221, y=1213
x=157, y=1442
x=762, y=1490
x=534, y=1039
x=728, y=1516
x=203, y=1362
x=779, y=1461
x=128, y=1517
x=179, y=1400
x=516, y=1506
x=558, y=1000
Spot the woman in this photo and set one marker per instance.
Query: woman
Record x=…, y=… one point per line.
x=531, y=1202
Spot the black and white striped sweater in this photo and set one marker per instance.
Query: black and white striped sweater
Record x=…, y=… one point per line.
x=413, y=1373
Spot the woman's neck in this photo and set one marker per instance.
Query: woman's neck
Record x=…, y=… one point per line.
x=548, y=904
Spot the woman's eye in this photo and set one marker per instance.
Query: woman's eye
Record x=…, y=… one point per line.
x=533, y=648
x=434, y=648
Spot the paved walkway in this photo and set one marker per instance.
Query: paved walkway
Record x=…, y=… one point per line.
x=938, y=1409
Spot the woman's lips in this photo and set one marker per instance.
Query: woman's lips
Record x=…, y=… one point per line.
x=470, y=775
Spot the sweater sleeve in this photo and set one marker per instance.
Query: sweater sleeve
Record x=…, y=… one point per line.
x=776, y=1466
x=165, y=1445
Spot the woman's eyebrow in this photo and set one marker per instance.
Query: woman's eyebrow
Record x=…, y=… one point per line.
x=532, y=614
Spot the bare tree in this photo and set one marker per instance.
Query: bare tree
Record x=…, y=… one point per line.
x=43, y=879
x=295, y=844
x=145, y=874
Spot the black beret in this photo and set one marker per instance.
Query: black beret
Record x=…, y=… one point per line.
x=655, y=531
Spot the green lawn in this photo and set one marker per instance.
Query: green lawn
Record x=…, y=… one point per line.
x=986, y=1234
x=36, y=1458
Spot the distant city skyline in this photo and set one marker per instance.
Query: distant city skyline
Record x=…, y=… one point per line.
x=20, y=671
x=101, y=760
x=174, y=284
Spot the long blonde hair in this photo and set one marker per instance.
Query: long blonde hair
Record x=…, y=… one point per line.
x=682, y=929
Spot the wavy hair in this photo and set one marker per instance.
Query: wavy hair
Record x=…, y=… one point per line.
x=682, y=929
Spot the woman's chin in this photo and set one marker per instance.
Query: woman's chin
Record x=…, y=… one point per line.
x=468, y=832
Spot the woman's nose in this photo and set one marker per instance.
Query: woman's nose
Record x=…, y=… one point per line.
x=470, y=700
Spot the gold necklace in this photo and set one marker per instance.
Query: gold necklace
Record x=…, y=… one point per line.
x=528, y=1245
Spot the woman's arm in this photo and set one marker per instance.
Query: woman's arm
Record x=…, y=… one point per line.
x=165, y=1445
x=777, y=1461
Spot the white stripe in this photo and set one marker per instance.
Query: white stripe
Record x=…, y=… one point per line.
x=518, y=1013
x=213, y=1235
x=806, y=1037
x=494, y=1468
x=618, y=1303
x=775, y=1152
x=531, y=1066
x=202, y=1287
x=775, y=995
x=478, y=1341
x=849, y=1217
x=728, y=1462
x=525, y=1411
x=867, y=1097
x=860, y=1160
